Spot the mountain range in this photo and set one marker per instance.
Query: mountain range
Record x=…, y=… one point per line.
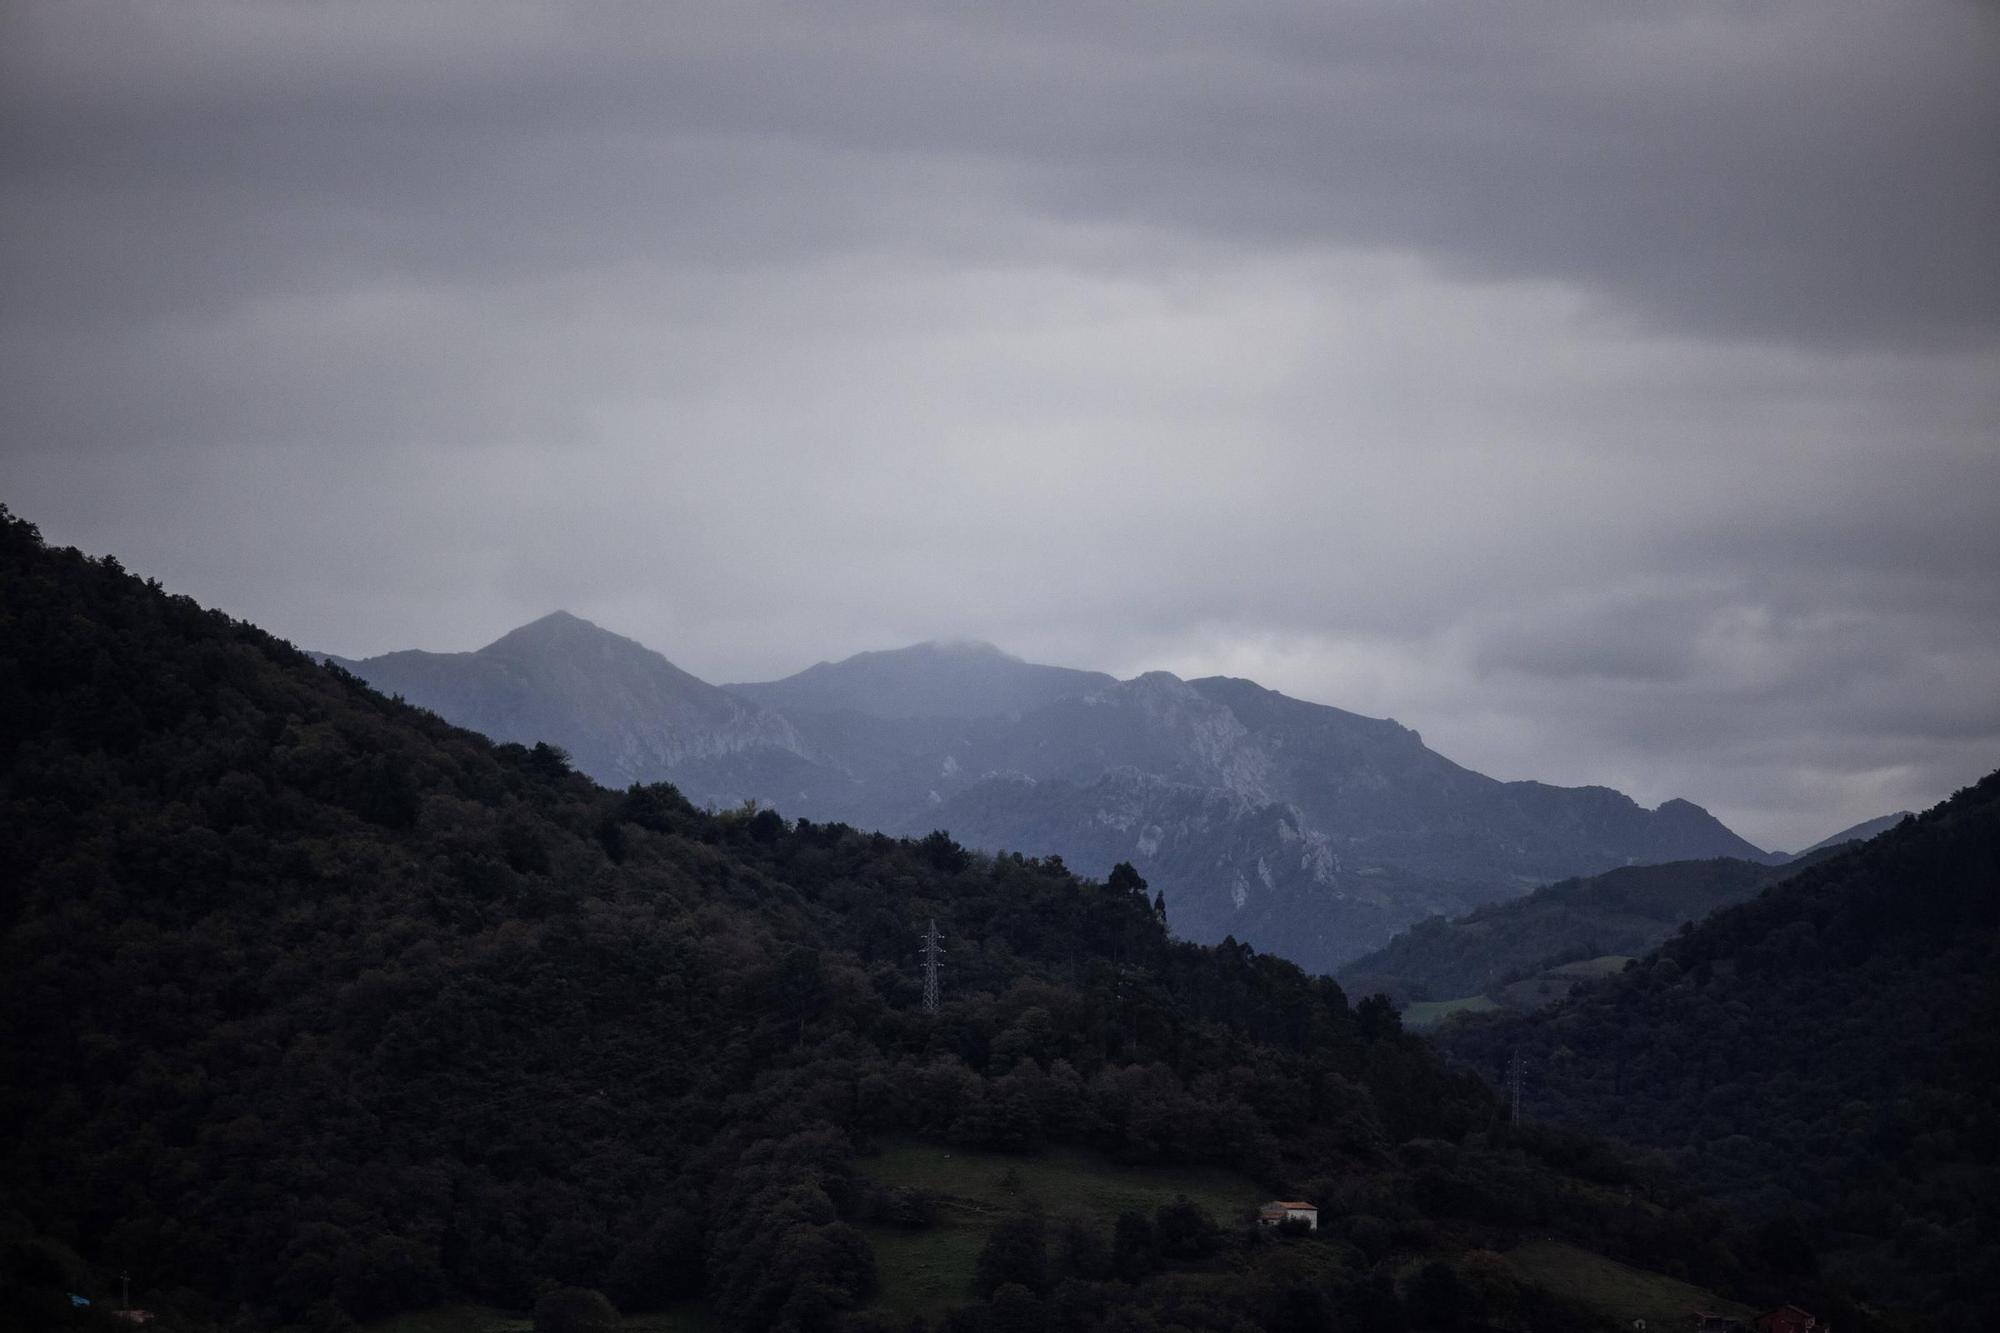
x=1293, y=826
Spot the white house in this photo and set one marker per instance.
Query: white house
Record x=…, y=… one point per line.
x=1289, y=1210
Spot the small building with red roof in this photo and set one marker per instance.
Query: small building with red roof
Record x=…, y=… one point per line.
x=1789, y=1319
x=1289, y=1210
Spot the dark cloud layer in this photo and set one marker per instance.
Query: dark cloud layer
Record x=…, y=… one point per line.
x=1608, y=390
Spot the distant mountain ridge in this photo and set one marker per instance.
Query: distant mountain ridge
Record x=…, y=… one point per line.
x=624, y=712
x=942, y=678
x=1298, y=827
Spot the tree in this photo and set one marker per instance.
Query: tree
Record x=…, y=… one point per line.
x=1183, y=1232
x=1377, y=1018
x=549, y=761
x=1016, y=1252
x=1436, y=1297
x=1133, y=1253
x=1124, y=879
x=575, y=1310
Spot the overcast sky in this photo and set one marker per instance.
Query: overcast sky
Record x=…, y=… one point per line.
x=1610, y=391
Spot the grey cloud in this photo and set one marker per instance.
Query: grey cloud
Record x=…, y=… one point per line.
x=1798, y=172
x=1609, y=391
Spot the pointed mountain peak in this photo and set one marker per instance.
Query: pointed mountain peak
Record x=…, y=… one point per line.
x=549, y=626
x=562, y=641
x=560, y=630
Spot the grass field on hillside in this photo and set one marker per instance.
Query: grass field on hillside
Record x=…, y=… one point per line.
x=689, y=1317
x=923, y=1271
x=1429, y=1013
x=929, y=1270
x=1555, y=984
x=1601, y=966
x=1536, y=991
x=1533, y=993
x=453, y=1319
x=1615, y=1289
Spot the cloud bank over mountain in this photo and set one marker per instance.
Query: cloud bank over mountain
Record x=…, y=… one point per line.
x=1607, y=392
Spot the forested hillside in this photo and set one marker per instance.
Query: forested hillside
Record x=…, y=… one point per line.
x=313, y=1008
x=1628, y=911
x=1825, y=1054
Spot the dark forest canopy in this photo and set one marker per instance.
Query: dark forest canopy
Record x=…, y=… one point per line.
x=1627, y=911
x=315, y=1008
x=1826, y=1053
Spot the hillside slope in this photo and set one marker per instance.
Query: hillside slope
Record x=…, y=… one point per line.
x=1827, y=1049
x=1862, y=832
x=315, y=1008
x=1629, y=911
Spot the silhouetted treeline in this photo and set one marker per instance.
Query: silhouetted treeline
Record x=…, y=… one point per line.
x=314, y=1008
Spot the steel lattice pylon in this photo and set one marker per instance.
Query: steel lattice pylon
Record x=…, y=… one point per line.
x=931, y=951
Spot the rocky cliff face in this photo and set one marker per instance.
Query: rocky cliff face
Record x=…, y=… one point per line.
x=1303, y=829
x=1227, y=864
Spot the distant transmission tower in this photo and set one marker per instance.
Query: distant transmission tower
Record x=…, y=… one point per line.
x=931, y=951
x=1516, y=1106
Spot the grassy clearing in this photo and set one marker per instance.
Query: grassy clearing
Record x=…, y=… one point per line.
x=930, y=1270
x=686, y=1317
x=1614, y=1289
x=1536, y=991
x=683, y=1317
x=925, y=1271
x=1429, y=1013
x=1554, y=984
x=453, y=1319
x=1602, y=966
